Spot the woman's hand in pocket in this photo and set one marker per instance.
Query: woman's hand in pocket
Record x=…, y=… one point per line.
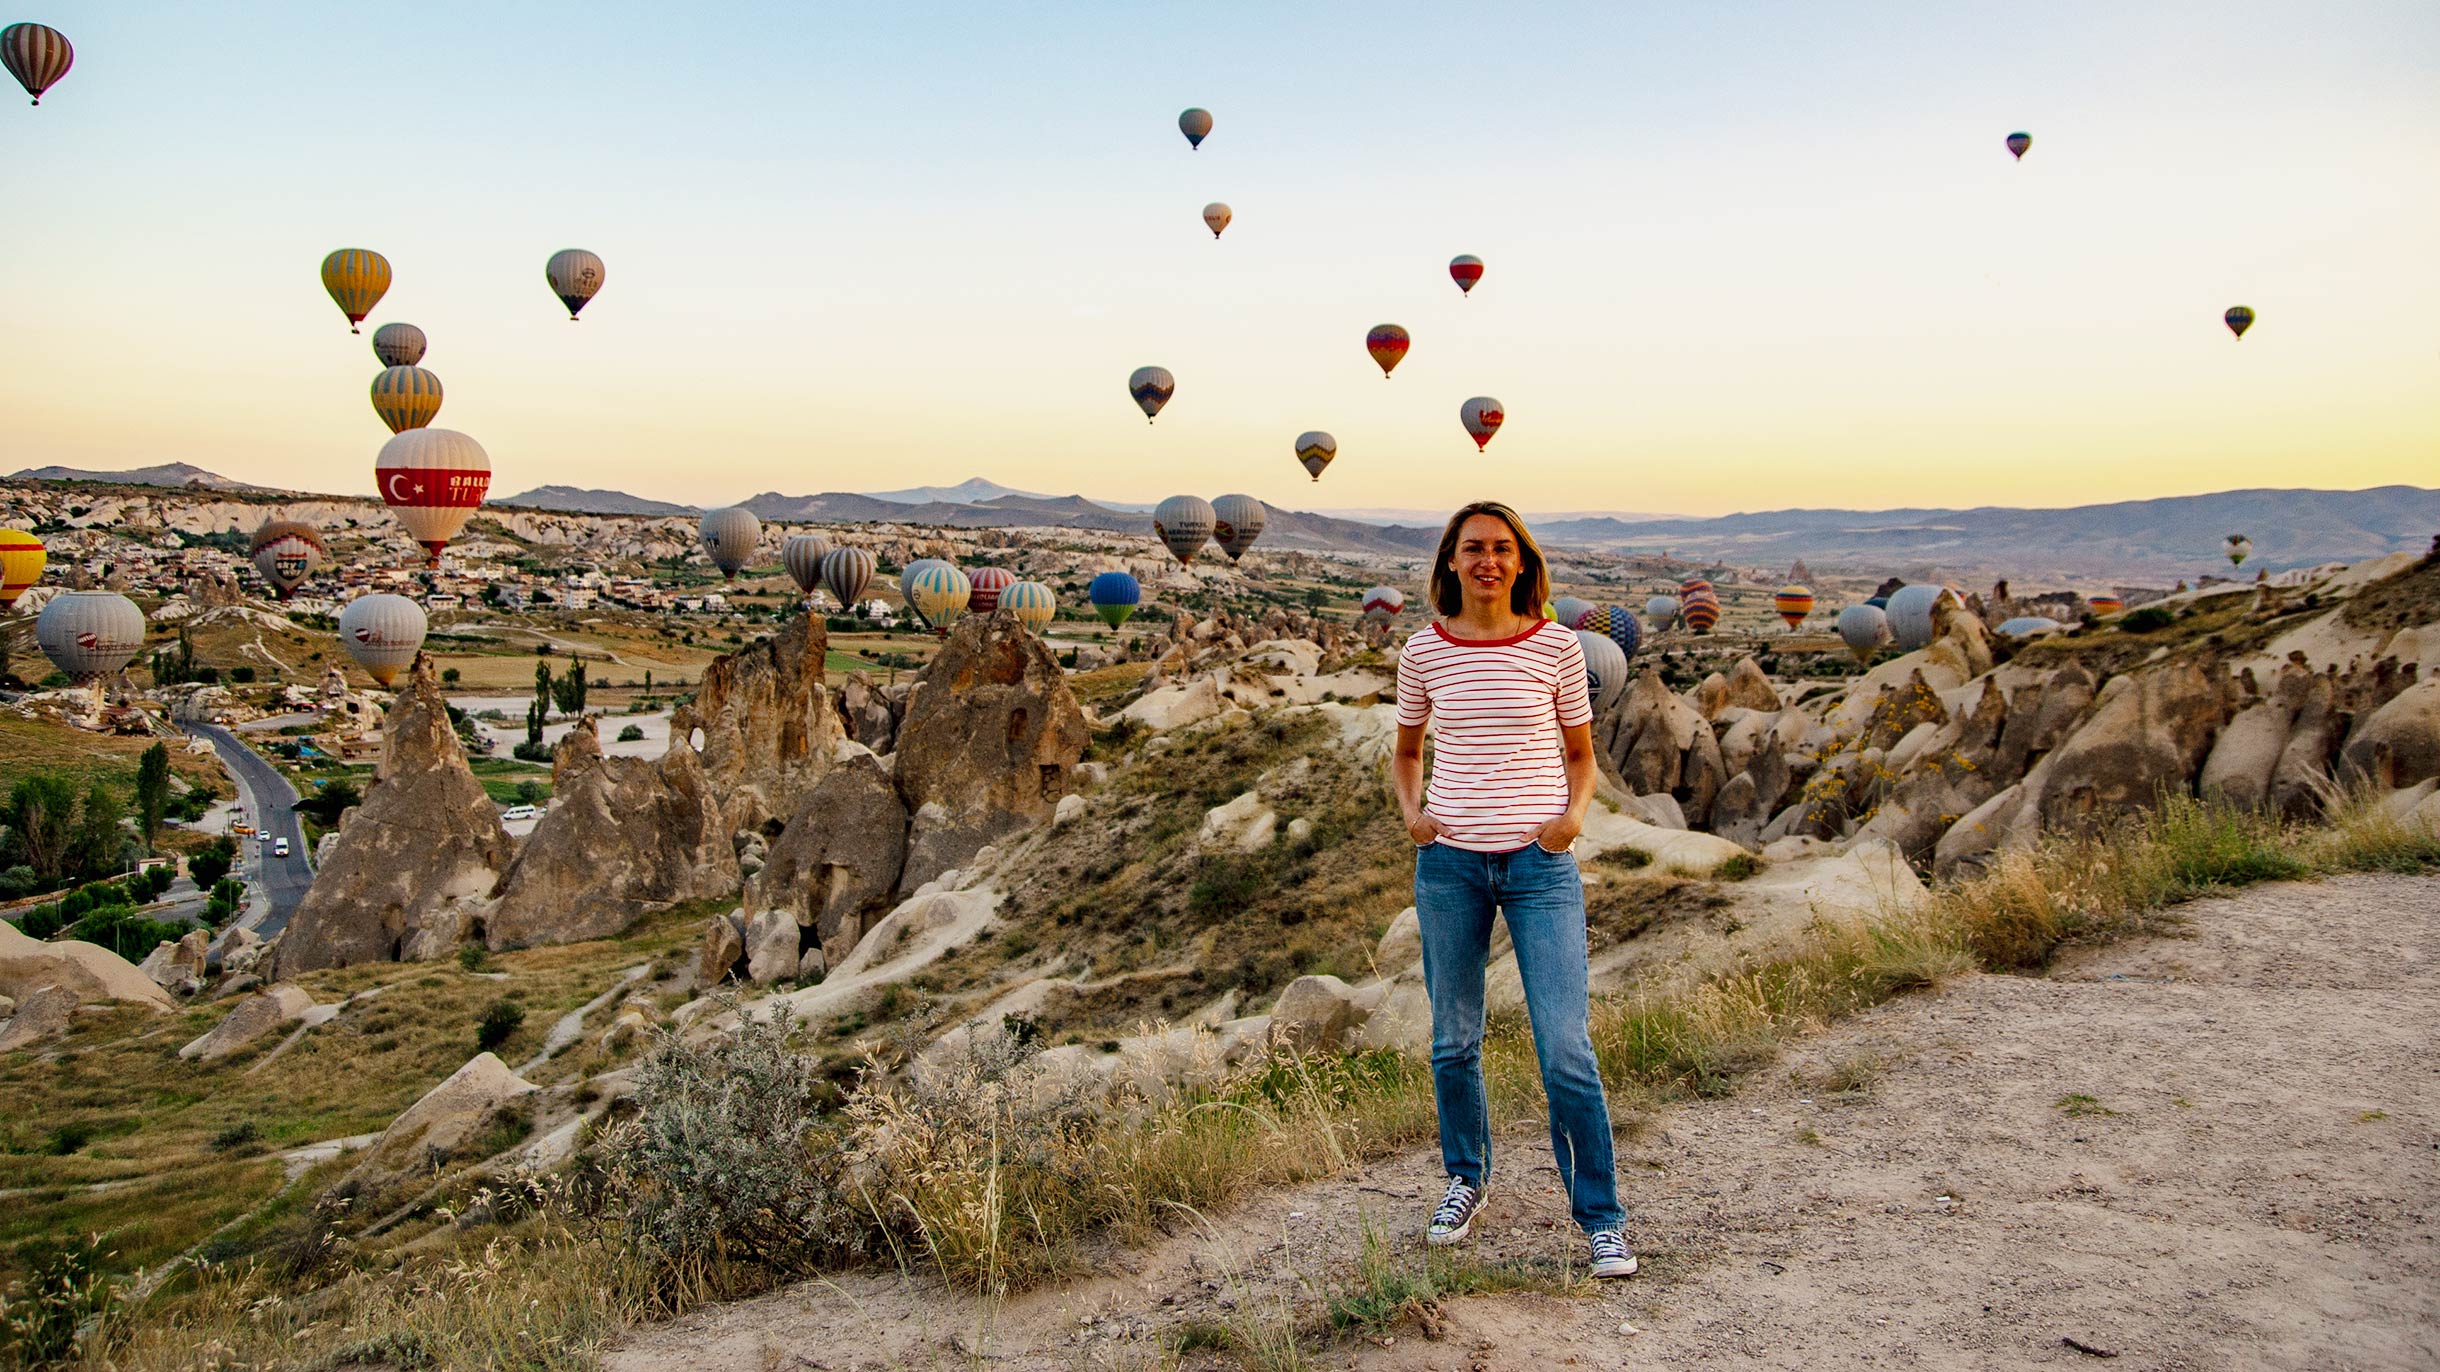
x=1558, y=835
x=1424, y=829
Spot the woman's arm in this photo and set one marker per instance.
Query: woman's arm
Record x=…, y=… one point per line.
x=1556, y=834
x=1406, y=781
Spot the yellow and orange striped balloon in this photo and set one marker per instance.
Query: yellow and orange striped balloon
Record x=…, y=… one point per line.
x=21, y=562
x=1793, y=603
x=356, y=278
x=406, y=398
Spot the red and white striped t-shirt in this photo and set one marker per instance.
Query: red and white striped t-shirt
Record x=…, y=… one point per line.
x=1499, y=771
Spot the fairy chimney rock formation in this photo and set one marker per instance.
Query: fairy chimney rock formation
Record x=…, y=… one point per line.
x=424, y=845
x=768, y=725
x=989, y=745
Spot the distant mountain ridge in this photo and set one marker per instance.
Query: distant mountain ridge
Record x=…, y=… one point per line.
x=2170, y=536
x=1284, y=529
x=580, y=500
x=166, y=474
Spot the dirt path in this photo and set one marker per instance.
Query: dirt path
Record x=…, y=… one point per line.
x=2219, y=1151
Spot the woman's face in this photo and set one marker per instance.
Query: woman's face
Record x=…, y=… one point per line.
x=1487, y=560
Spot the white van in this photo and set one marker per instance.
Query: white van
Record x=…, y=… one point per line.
x=521, y=812
x=280, y=849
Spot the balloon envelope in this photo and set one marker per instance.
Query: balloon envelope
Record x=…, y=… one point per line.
x=90, y=634
x=1910, y=613
x=406, y=398
x=356, y=278
x=1315, y=449
x=1382, y=603
x=37, y=55
x=2018, y=142
x=1625, y=631
x=1216, y=217
x=1482, y=417
x=1388, y=344
x=1184, y=524
x=286, y=552
x=846, y=572
x=1661, y=611
x=1864, y=629
x=2106, y=603
x=984, y=587
x=1793, y=603
x=383, y=633
x=1196, y=124
x=1033, y=603
x=2029, y=626
x=1702, y=611
x=22, y=559
x=802, y=555
x=432, y=480
x=940, y=594
x=1237, y=521
x=729, y=537
x=1605, y=669
x=398, y=345
x=1114, y=596
x=1151, y=387
x=2238, y=319
x=1572, y=610
x=2238, y=547
x=1465, y=269
x=575, y=276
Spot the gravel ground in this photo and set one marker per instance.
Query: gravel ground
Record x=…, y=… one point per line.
x=2213, y=1151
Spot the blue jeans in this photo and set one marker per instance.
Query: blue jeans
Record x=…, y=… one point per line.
x=1539, y=894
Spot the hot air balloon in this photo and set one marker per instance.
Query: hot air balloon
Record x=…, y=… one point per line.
x=286, y=552
x=1793, y=603
x=908, y=573
x=2028, y=626
x=1388, y=344
x=383, y=633
x=1216, y=217
x=1661, y=611
x=1237, y=521
x=2239, y=319
x=1482, y=417
x=1596, y=619
x=802, y=555
x=398, y=345
x=1572, y=611
x=1381, y=604
x=356, y=278
x=90, y=634
x=1315, y=449
x=21, y=562
x=1864, y=629
x=1605, y=669
x=845, y=574
x=575, y=276
x=1196, y=124
x=1032, y=603
x=2018, y=142
x=432, y=480
x=1184, y=523
x=940, y=593
x=2106, y=602
x=2238, y=547
x=1702, y=611
x=1910, y=613
x=1114, y=596
x=729, y=537
x=1624, y=631
x=1465, y=269
x=406, y=398
x=985, y=585
x=1151, y=387
x=37, y=55
x=1879, y=602
x=1692, y=585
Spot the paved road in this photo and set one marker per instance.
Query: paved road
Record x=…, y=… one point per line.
x=270, y=800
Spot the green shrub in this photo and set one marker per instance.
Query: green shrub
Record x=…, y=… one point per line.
x=2147, y=619
x=501, y=1019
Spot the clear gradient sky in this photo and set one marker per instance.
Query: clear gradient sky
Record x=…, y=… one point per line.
x=1740, y=256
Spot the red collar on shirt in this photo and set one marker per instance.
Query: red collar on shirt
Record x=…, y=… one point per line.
x=1447, y=637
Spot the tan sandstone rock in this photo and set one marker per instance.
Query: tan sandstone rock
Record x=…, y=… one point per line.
x=836, y=865
x=2399, y=745
x=250, y=1019
x=424, y=846
x=624, y=837
x=44, y=1013
x=2148, y=734
x=1660, y=745
x=1315, y=1015
x=436, y=1128
x=987, y=746
x=84, y=971
x=769, y=731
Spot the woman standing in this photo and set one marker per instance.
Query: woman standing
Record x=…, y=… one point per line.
x=1512, y=774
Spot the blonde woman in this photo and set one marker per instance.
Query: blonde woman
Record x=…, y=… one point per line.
x=1512, y=774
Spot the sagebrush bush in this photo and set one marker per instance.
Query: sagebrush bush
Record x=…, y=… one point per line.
x=728, y=1158
x=501, y=1019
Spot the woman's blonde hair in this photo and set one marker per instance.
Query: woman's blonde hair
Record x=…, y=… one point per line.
x=1533, y=578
